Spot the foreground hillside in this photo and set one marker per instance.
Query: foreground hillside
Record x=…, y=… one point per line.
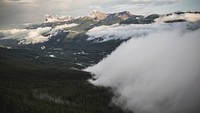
x=48, y=86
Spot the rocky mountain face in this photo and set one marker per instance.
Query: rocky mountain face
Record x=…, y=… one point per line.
x=94, y=15
x=123, y=15
x=97, y=15
x=97, y=18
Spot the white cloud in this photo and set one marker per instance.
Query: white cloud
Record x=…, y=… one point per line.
x=116, y=31
x=65, y=26
x=105, y=5
x=158, y=73
x=190, y=17
x=33, y=36
x=17, y=2
x=26, y=36
x=135, y=5
x=155, y=2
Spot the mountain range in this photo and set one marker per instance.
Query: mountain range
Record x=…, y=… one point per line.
x=41, y=64
x=60, y=36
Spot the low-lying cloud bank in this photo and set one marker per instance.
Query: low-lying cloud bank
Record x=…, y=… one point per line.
x=26, y=36
x=122, y=32
x=157, y=73
x=189, y=17
x=33, y=36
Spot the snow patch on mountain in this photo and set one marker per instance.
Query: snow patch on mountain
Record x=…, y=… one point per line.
x=52, y=56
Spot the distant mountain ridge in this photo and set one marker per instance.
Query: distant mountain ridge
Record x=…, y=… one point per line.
x=88, y=39
x=61, y=29
x=124, y=17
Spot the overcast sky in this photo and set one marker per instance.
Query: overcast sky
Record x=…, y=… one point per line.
x=25, y=11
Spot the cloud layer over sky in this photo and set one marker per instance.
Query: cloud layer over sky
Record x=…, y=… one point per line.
x=157, y=73
x=20, y=11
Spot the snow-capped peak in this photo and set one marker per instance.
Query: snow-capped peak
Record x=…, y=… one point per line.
x=55, y=18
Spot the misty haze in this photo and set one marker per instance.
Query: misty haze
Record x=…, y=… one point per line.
x=113, y=56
